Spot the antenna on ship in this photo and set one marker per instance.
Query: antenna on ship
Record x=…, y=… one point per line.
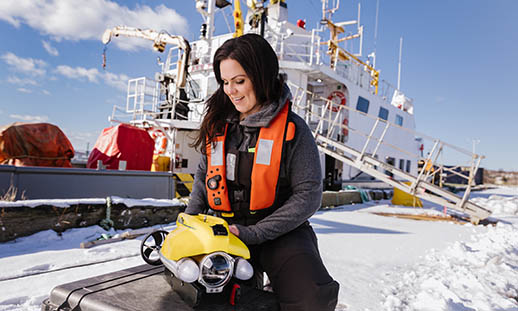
x=373, y=54
x=360, y=31
x=338, y=28
x=399, y=63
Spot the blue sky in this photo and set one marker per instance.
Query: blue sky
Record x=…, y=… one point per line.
x=459, y=62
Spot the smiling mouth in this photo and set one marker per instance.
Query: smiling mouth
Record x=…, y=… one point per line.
x=237, y=98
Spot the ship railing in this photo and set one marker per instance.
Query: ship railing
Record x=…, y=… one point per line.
x=141, y=96
x=386, y=91
x=120, y=115
x=195, y=110
x=310, y=49
x=293, y=47
x=328, y=116
x=393, y=96
x=332, y=135
x=145, y=101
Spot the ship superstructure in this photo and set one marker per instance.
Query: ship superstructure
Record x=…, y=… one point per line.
x=362, y=124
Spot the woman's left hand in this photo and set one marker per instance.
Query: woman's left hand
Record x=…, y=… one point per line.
x=234, y=229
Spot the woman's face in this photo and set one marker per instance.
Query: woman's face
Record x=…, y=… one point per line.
x=238, y=87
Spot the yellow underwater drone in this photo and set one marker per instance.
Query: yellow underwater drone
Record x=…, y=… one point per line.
x=200, y=256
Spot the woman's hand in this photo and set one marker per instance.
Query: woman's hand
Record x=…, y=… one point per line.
x=234, y=230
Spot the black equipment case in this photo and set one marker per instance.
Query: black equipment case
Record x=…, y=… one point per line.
x=144, y=288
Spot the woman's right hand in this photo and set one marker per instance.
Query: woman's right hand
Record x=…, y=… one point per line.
x=234, y=229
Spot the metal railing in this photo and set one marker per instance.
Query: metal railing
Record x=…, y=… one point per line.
x=141, y=95
x=328, y=126
x=310, y=50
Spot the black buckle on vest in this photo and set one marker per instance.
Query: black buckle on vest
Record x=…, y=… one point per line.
x=239, y=195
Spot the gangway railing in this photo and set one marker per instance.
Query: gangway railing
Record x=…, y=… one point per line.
x=324, y=119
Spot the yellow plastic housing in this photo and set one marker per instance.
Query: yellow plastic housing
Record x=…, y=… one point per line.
x=194, y=235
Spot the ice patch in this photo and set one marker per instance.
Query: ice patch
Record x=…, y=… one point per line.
x=38, y=268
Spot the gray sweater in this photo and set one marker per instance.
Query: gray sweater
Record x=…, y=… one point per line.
x=303, y=172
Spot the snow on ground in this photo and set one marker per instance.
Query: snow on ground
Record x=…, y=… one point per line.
x=70, y=202
x=381, y=263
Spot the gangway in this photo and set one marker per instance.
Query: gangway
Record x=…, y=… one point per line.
x=323, y=115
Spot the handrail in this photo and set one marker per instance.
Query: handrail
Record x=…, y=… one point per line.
x=286, y=48
x=327, y=122
x=348, y=55
x=416, y=133
x=367, y=162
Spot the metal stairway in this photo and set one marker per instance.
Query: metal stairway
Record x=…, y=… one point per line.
x=326, y=123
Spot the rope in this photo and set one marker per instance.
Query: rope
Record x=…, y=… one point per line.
x=67, y=268
x=107, y=223
x=104, y=56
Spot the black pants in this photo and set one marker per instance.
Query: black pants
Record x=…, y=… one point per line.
x=296, y=271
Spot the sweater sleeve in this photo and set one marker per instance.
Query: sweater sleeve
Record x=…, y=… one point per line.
x=305, y=177
x=198, y=200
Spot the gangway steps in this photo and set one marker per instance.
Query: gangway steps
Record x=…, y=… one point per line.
x=418, y=186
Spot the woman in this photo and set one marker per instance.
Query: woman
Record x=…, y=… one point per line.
x=260, y=170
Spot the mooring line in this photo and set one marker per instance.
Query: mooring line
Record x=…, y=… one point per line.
x=64, y=268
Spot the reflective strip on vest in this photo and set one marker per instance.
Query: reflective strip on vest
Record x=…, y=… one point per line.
x=216, y=158
x=218, y=196
x=265, y=172
x=267, y=161
x=263, y=151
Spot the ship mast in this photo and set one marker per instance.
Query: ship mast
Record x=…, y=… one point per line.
x=335, y=51
x=207, y=9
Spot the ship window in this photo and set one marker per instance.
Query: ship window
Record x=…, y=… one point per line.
x=362, y=105
x=383, y=113
x=401, y=164
x=408, y=166
x=399, y=120
x=391, y=161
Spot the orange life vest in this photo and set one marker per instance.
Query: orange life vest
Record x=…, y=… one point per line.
x=265, y=171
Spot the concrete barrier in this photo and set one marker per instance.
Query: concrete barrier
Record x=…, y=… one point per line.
x=337, y=198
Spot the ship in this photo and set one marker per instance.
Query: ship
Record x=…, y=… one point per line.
x=363, y=125
x=338, y=94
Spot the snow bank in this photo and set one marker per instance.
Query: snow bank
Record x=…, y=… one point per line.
x=93, y=201
x=477, y=275
x=502, y=190
x=499, y=205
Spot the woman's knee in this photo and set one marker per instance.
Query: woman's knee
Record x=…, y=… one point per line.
x=303, y=283
x=319, y=297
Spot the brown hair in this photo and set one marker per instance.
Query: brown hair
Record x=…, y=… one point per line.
x=260, y=63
